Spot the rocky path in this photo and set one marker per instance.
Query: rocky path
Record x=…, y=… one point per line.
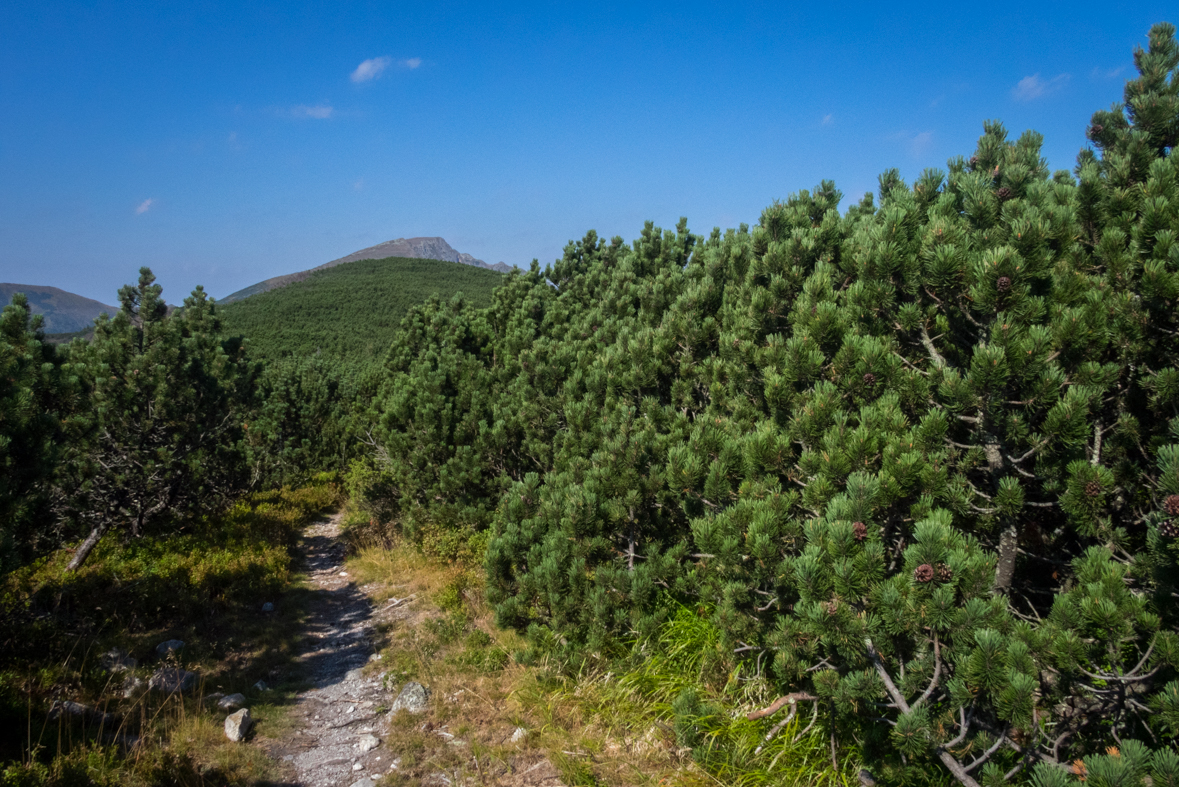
x=336, y=742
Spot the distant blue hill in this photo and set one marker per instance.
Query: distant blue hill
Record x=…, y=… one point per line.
x=64, y=311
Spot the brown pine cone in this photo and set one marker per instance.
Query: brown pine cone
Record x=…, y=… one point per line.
x=944, y=574
x=1095, y=131
x=869, y=379
x=923, y=573
x=1004, y=194
x=1003, y=284
x=974, y=161
x=830, y=607
x=1171, y=505
x=1169, y=529
x=1093, y=488
x=859, y=530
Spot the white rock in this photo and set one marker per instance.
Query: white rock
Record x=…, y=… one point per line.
x=261, y=686
x=357, y=766
x=237, y=725
x=412, y=698
x=170, y=680
x=232, y=702
x=519, y=735
x=369, y=742
x=354, y=674
x=365, y=782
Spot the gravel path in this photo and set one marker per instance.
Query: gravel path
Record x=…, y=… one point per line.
x=336, y=743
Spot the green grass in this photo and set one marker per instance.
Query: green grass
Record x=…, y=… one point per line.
x=624, y=723
x=204, y=586
x=350, y=311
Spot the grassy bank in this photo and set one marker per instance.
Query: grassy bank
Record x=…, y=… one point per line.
x=672, y=711
x=205, y=586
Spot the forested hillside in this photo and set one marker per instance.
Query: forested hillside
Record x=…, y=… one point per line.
x=351, y=310
x=913, y=463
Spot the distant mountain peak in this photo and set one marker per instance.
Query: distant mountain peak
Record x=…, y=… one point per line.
x=432, y=248
x=64, y=312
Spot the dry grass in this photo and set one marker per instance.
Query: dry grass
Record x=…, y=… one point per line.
x=445, y=638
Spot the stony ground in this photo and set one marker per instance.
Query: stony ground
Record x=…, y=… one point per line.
x=338, y=726
x=341, y=721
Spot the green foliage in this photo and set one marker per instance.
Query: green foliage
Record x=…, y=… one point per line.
x=167, y=396
x=38, y=392
x=349, y=312
x=204, y=585
x=917, y=457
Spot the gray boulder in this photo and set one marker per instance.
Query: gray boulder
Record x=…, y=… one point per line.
x=368, y=743
x=165, y=649
x=169, y=680
x=76, y=710
x=232, y=702
x=413, y=698
x=237, y=725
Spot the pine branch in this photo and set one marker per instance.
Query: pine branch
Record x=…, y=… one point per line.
x=947, y=759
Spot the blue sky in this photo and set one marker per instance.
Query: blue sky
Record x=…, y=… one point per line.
x=224, y=143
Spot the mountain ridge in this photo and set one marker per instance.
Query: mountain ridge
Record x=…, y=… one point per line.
x=422, y=248
x=64, y=312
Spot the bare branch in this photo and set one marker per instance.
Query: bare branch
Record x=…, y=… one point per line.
x=937, y=673
x=777, y=705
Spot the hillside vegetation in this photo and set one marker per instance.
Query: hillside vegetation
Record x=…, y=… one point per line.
x=351, y=310
x=911, y=467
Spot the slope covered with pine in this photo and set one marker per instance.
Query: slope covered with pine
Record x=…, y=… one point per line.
x=350, y=311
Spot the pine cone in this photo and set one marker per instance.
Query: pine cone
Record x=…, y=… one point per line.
x=859, y=530
x=1004, y=194
x=1169, y=529
x=974, y=161
x=1093, y=488
x=944, y=574
x=1095, y=131
x=1171, y=505
x=1003, y=284
x=869, y=379
x=830, y=607
x=923, y=573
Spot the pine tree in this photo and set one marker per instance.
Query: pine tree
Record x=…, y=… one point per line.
x=168, y=395
x=37, y=400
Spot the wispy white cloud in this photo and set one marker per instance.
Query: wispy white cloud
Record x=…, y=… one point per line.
x=144, y=206
x=827, y=120
x=371, y=68
x=1104, y=74
x=919, y=143
x=317, y=112
x=1033, y=87
x=375, y=66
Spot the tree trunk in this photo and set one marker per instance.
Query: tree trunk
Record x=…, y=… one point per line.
x=1008, y=548
x=87, y=547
